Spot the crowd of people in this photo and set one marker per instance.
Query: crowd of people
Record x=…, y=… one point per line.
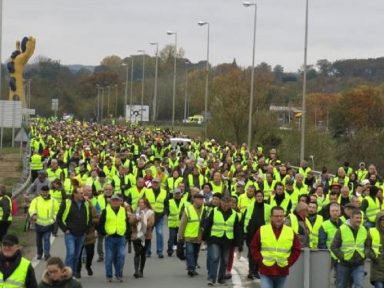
x=112, y=187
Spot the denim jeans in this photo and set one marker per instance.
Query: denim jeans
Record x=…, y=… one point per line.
x=218, y=262
x=159, y=236
x=379, y=284
x=73, y=245
x=172, y=240
x=272, y=281
x=114, y=255
x=43, y=240
x=344, y=274
x=191, y=255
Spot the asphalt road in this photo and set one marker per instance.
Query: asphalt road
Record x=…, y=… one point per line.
x=166, y=272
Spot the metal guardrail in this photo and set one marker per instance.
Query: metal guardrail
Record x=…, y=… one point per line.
x=25, y=178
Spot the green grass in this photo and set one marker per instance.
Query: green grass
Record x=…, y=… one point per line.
x=10, y=150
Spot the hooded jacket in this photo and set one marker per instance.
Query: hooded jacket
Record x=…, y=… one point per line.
x=377, y=264
x=66, y=280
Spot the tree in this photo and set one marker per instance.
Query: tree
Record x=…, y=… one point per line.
x=112, y=61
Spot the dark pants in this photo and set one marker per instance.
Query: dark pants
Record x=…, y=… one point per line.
x=219, y=260
x=252, y=265
x=192, y=254
x=89, y=250
x=172, y=240
x=140, y=254
x=4, y=225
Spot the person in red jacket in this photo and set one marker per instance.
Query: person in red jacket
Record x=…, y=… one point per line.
x=274, y=271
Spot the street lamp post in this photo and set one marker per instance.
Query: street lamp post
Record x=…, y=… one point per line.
x=302, y=140
x=98, y=104
x=108, y=96
x=116, y=92
x=174, y=79
x=102, y=105
x=154, y=105
x=126, y=91
x=131, y=93
x=186, y=94
x=142, y=86
x=248, y=4
x=202, y=23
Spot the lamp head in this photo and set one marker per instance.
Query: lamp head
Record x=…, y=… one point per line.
x=248, y=4
x=202, y=23
x=171, y=32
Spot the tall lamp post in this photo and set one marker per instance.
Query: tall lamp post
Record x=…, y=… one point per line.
x=116, y=96
x=174, y=79
x=142, y=86
x=154, y=105
x=98, y=104
x=302, y=140
x=202, y=23
x=249, y=4
x=126, y=91
x=131, y=92
x=102, y=105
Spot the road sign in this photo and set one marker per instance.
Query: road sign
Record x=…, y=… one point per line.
x=21, y=136
x=10, y=114
x=134, y=113
x=55, y=104
x=27, y=111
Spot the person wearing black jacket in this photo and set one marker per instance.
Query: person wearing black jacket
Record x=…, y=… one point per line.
x=256, y=215
x=74, y=220
x=222, y=231
x=10, y=260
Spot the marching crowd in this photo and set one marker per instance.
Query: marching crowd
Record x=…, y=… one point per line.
x=112, y=187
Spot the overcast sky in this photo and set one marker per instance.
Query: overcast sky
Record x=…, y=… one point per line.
x=85, y=31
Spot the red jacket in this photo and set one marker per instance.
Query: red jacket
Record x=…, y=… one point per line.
x=274, y=270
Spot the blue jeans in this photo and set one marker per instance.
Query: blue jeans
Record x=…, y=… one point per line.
x=114, y=254
x=272, y=281
x=191, y=255
x=379, y=284
x=172, y=240
x=159, y=236
x=218, y=262
x=344, y=274
x=43, y=239
x=73, y=245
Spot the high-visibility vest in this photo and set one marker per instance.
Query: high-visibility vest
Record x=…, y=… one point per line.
x=350, y=245
x=136, y=195
x=156, y=203
x=36, y=163
x=249, y=213
x=173, y=163
x=10, y=208
x=221, y=227
x=193, y=222
x=117, y=184
x=68, y=186
x=57, y=195
x=174, y=213
x=276, y=251
x=376, y=241
x=305, y=171
x=52, y=175
x=200, y=179
x=268, y=188
x=68, y=204
x=115, y=223
x=173, y=183
x=314, y=230
x=217, y=188
x=372, y=209
x=284, y=204
x=110, y=172
x=330, y=229
x=45, y=210
x=361, y=174
x=244, y=202
x=295, y=222
x=102, y=202
x=18, y=276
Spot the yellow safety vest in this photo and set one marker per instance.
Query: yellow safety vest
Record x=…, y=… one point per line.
x=284, y=204
x=268, y=188
x=249, y=212
x=349, y=244
x=191, y=183
x=174, y=213
x=173, y=183
x=372, y=209
x=295, y=222
x=18, y=277
x=276, y=251
x=57, y=195
x=156, y=203
x=193, y=222
x=136, y=195
x=330, y=229
x=52, y=175
x=221, y=227
x=115, y=223
x=314, y=230
x=36, y=163
x=376, y=241
x=244, y=202
x=217, y=188
x=45, y=210
x=10, y=208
